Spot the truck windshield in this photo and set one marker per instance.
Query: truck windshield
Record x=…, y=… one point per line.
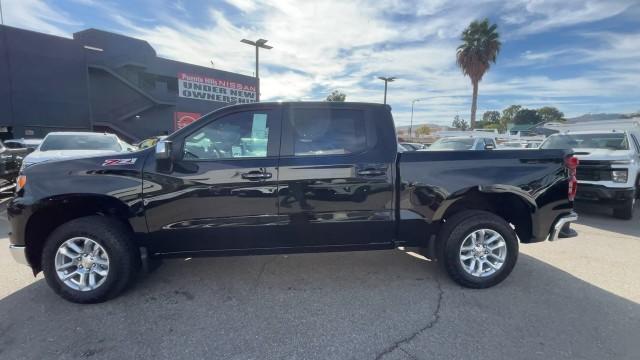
x=453, y=144
x=80, y=142
x=611, y=141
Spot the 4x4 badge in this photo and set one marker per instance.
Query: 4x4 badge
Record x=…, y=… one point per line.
x=115, y=162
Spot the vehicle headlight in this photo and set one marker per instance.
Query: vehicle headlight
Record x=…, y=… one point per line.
x=619, y=176
x=21, y=181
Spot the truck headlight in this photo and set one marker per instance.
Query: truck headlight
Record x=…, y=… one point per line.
x=21, y=181
x=619, y=176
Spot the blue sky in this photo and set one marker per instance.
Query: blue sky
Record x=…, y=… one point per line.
x=580, y=56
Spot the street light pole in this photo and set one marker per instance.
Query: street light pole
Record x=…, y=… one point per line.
x=260, y=43
x=413, y=102
x=386, y=80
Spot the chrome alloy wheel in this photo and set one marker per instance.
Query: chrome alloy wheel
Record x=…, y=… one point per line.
x=82, y=264
x=483, y=252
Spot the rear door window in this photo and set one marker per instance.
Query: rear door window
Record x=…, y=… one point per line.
x=319, y=132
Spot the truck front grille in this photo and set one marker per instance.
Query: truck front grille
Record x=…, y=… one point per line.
x=588, y=173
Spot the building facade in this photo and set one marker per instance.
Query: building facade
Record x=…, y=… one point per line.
x=103, y=81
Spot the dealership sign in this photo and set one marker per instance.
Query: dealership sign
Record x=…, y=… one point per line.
x=210, y=89
x=183, y=119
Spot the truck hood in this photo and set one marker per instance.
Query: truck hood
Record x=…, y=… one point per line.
x=602, y=154
x=37, y=157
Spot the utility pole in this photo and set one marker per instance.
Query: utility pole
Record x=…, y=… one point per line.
x=386, y=80
x=260, y=43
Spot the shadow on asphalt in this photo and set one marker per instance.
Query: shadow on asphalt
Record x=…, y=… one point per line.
x=325, y=306
x=602, y=218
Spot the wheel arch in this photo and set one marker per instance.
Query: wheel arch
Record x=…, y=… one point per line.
x=52, y=212
x=511, y=204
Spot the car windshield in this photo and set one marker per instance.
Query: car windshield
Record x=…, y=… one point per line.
x=453, y=144
x=80, y=142
x=611, y=141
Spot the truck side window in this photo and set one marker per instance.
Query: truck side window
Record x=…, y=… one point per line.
x=237, y=135
x=328, y=131
x=636, y=142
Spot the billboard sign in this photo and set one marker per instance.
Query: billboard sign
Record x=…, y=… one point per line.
x=182, y=119
x=210, y=89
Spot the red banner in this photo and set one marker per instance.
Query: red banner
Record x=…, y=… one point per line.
x=182, y=119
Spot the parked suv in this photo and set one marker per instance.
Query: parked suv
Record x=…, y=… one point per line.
x=609, y=166
x=69, y=145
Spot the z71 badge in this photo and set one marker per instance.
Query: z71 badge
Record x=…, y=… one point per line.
x=116, y=162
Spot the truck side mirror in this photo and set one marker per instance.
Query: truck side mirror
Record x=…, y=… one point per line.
x=489, y=147
x=164, y=150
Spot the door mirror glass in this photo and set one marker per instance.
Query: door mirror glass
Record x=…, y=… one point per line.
x=163, y=149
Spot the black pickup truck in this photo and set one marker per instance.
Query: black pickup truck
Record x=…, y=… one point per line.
x=285, y=177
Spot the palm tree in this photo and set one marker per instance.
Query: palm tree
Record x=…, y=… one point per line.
x=480, y=47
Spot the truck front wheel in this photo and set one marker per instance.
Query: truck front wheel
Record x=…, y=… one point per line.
x=625, y=211
x=479, y=249
x=89, y=259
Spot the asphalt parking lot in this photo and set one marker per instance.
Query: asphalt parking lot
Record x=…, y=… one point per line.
x=574, y=299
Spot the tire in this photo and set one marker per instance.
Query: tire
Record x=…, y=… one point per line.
x=118, y=249
x=360, y=195
x=625, y=212
x=457, y=231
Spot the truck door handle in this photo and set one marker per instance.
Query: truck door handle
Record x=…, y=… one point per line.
x=256, y=175
x=371, y=172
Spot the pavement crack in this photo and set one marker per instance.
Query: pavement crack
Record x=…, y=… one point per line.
x=435, y=317
x=263, y=268
x=410, y=355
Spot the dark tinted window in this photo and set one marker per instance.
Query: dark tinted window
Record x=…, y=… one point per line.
x=328, y=131
x=238, y=135
x=612, y=141
x=13, y=145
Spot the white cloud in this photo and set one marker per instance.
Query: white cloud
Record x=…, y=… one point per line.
x=36, y=15
x=324, y=45
x=243, y=5
x=607, y=50
x=543, y=15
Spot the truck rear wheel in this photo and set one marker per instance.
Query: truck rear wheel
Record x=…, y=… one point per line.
x=89, y=259
x=479, y=249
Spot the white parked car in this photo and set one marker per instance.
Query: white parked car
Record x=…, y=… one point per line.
x=67, y=145
x=462, y=143
x=609, y=169
x=22, y=143
x=513, y=145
